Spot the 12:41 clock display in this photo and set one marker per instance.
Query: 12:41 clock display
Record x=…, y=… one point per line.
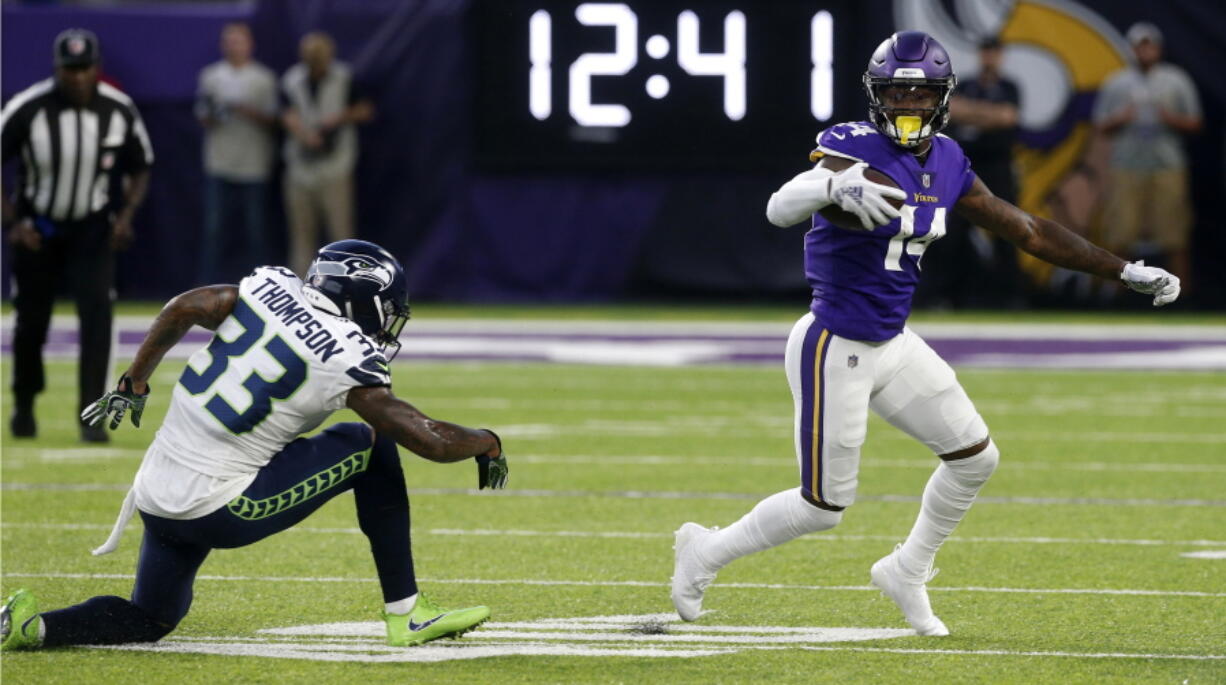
x=657, y=83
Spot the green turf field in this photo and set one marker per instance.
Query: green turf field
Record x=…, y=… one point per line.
x=1070, y=570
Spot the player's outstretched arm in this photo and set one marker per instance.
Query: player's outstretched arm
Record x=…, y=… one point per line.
x=837, y=181
x=1057, y=245
x=429, y=438
x=206, y=307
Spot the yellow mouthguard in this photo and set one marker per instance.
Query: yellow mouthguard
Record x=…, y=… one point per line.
x=907, y=127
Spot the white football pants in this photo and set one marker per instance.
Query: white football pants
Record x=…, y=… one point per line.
x=835, y=381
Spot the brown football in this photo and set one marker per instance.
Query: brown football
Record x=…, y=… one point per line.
x=845, y=219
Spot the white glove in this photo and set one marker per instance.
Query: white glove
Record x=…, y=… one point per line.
x=820, y=187
x=1151, y=280
x=853, y=192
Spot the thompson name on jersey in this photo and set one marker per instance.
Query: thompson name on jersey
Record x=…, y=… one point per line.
x=276, y=368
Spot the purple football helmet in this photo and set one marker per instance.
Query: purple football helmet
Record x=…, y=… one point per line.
x=909, y=59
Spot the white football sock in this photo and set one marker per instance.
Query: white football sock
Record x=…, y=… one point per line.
x=401, y=606
x=947, y=497
x=781, y=517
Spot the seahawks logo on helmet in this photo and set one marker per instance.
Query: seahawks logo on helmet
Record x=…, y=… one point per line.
x=355, y=266
x=362, y=282
x=358, y=267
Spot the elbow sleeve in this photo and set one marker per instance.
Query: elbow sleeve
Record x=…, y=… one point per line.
x=800, y=197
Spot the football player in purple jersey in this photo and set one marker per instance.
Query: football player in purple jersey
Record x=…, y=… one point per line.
x=853, y=352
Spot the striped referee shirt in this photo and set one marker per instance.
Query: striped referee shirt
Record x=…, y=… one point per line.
x=69, y=153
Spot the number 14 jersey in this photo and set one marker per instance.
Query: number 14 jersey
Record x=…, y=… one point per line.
x=863, y=280
x=276, y=368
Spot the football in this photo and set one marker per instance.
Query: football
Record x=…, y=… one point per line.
x=845, y=219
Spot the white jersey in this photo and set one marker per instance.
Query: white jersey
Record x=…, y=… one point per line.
x=277, y=368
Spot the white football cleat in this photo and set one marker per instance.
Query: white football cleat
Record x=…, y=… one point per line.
x=690, y=576
x=911, y=595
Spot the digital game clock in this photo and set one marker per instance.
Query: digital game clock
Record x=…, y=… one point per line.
x=661, y=83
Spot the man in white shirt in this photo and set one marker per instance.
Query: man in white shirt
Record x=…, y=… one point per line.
x=1146, y=110
x=236, y=103
x=323, y=105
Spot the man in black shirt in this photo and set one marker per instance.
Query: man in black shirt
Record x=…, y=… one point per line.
x=75, y=138
x=973, y=268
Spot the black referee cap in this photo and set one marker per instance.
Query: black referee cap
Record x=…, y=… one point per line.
x=76, y=48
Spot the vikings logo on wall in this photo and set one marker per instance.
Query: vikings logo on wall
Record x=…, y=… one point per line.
x=1059, y=53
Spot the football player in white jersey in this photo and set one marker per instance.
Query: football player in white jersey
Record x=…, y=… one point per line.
x=228, y=466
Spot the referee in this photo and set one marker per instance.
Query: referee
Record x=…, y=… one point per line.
x=77, y=139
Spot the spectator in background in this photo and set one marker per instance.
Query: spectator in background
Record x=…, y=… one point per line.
x=978, y=268
x=76, y=139
x=236, y=103
x=1144, y=110
x=323, y=106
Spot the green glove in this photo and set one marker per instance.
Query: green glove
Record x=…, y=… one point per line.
x=492, y=471
x=116, y=403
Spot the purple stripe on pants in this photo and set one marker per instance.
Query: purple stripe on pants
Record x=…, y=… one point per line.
x=812, y=375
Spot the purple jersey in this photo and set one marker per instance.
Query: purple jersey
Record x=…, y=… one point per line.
x=863, y=280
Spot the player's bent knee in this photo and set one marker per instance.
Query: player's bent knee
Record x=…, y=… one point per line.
x=807, y=515
x=817, y=503
x=353, y=430
x=134, y=623
x=976, y=469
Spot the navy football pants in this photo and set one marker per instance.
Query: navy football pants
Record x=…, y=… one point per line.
x=300, y=479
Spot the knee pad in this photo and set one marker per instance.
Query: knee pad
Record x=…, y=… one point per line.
x=976, y=469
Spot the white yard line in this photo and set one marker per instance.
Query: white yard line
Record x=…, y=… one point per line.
x=1206, y=554
x=485, y=643
x=730, y=427
x=619, y=635
x=929, y=464
x=372, y=653
x=634, y=535
x=646, y=583
x=815, y=538
x=1005, y=652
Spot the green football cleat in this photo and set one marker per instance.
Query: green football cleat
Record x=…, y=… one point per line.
x=429, y=622
x=19, y=622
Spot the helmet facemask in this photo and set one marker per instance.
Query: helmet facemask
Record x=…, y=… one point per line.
x=395, y=316
x=908, y=126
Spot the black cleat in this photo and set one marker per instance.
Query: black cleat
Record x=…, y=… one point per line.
x=22, y=424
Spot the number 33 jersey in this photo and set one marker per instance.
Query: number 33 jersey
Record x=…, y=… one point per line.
x=276, y=368
x=863, y=280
